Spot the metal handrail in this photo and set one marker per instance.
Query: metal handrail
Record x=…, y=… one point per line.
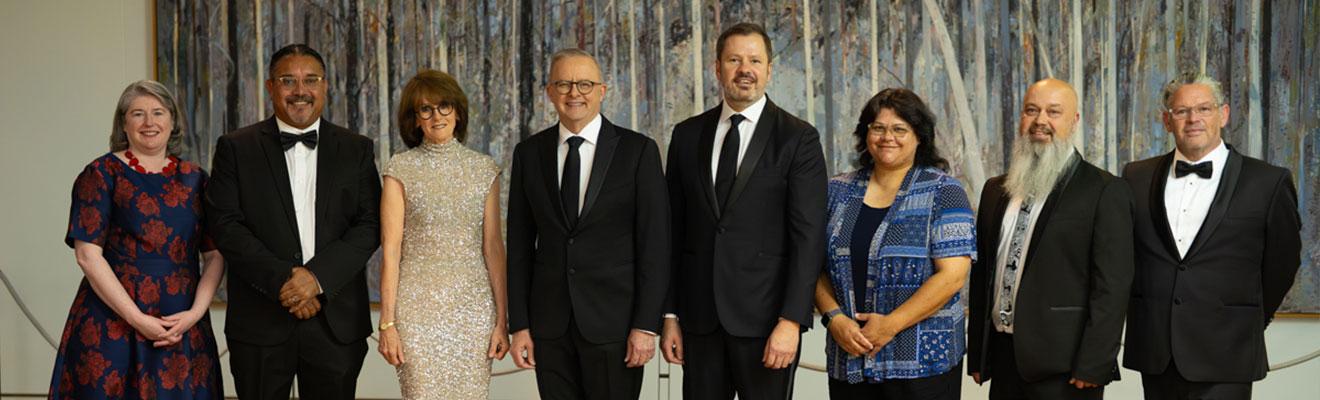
x=13, y=293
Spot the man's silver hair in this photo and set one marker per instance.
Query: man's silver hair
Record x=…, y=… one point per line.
x=570, y=52
x=1188, y=78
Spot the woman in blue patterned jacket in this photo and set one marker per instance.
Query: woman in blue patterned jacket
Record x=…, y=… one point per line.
x=901, y=242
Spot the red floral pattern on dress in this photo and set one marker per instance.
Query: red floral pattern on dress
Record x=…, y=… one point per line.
x=175, y=193
x=116, y=329
x=90, y=334
x=146, y=387
x=201, y=370
x=178, y=251
x=124, y=190
x=100, y=354
x=175, y=371
x=91, y=367
x=89, y=219
x=147, y=205
x=154, y=235
x=88, y=187
x=178, y=282
x=148, y=291
x=114, y=384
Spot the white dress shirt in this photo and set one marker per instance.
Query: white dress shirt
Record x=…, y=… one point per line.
x=301, y=162
x=1187, y=199
x=745, y=131
x=586, y=154
x=1005, y=242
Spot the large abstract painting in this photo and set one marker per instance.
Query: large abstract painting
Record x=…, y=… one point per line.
x=970, y=60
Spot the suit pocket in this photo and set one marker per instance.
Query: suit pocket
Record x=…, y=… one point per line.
x=1067, y=308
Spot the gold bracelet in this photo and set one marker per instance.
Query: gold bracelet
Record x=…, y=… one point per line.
x=387, y=325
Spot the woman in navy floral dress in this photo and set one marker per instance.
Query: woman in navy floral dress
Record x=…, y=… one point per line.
x=139, y=324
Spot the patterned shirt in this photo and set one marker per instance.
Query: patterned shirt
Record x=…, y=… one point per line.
x=930, y=218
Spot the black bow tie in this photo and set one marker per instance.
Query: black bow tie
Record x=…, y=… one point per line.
x=1202, y=169
x=287, y=140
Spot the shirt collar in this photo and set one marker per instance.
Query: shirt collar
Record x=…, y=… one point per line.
x=589, y=132
x=752, y=112
x=283, y=127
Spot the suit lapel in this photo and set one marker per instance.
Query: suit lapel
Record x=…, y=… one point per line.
x=327, y=157
x=760, y=136
x=279, y=170
x=548, y=149
x=705, y=146
x=1219, y=207
x=606, y=141
x=1051, y=203
x=1159, y=214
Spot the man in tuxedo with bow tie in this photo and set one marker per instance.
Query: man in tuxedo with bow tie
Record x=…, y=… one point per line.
x=1217, y=247
x=293, y=205
x=588, y=244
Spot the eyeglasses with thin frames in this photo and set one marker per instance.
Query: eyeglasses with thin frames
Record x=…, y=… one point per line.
x=897, y=132
x=426, y=111
x=583, y=86
x=289, y=82
x=1203, y=110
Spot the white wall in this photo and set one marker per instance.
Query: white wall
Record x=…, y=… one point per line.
x=65, y=63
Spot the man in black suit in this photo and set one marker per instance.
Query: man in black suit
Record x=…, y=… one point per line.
x=747, y=184
x=293, y=205
x=1049, y=290
x=1217, y=247
x=588, y=244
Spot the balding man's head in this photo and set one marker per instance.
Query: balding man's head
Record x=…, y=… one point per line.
x=1049, y=111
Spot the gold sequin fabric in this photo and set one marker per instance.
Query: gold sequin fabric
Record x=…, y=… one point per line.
x=444, y=305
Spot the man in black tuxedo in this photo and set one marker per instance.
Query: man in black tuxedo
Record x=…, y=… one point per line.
x=588, y=244
x=1049, y=290
x=1217, y=247
x=293, y=205
x=747, y=184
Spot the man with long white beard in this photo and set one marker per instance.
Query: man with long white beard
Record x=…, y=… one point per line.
x=1049, y=291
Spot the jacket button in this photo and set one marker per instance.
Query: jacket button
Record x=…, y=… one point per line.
x=721, y=230
x=298, y=255
x=1182, y=267
x=572, y=271
x=570, y=240
x=1177, y=301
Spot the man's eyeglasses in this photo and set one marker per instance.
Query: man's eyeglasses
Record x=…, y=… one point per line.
x=289, y=82
x=1202, y=111
x=426, y=111
x=583, y=86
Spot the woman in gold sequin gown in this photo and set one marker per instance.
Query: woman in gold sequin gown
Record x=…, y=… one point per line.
x=443, y=277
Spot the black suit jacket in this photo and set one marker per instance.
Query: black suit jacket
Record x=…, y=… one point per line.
x=251, y=217
x=1068, y=315
x=609, y=272
x=744, y=267
x=1209, y=310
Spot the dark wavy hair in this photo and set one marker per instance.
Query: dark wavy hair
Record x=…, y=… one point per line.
x=912, y=110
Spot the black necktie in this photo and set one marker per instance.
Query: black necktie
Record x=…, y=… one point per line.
x=287, y=140
x=568, y=184
x=1202, y=169
x=727, y=169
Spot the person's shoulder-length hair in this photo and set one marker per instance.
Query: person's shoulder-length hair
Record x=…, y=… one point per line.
x=439, y=88
x=912, y=110
x=147, y=87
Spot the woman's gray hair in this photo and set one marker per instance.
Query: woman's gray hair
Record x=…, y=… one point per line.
x=147, y=87
x=1188, y=78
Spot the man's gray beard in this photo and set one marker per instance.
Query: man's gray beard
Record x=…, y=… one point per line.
x=1035, y=167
